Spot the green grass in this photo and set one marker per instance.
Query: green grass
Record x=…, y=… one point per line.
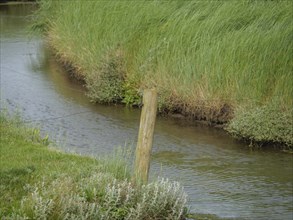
x=26, y=160
x=206, y=58
x=38, y=182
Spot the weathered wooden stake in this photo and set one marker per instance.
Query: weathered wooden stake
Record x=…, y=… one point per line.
x=145, y=135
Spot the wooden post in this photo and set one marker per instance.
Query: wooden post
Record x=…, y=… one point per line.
x=145, y=136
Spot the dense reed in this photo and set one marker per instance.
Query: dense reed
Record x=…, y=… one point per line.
x=207, y=58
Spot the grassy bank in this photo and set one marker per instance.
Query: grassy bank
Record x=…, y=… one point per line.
x=37, y=182
x=211, y=60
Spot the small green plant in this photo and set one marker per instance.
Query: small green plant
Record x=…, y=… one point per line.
x=36, y=137
x=132, y=93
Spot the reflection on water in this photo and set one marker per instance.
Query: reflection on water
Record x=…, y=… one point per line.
x=221, y=176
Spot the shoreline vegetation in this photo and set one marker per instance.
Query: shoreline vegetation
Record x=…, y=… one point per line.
x=40, y=182
x=226, y=63
x=16, y=2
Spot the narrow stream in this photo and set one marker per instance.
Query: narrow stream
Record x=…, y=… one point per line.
x=220, y=175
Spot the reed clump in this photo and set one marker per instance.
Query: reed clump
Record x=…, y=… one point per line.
x=207, y=58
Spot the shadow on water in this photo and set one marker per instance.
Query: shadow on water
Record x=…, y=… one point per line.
x=221, y=176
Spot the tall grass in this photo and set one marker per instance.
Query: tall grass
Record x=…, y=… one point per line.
x=206, y=58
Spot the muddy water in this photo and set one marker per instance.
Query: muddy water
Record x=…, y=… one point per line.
x=221, y=176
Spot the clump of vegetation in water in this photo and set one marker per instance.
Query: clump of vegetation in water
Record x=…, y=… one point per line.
x=206, y=58
x=38, y=182
x=263, y=125
x=106, y=83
